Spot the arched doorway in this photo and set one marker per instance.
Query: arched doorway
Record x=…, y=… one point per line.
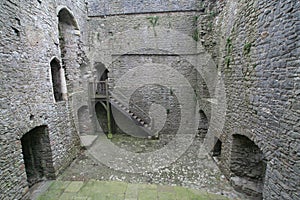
x=101, y=71
x=37, y=155
x=101, y=78
x=247, y=166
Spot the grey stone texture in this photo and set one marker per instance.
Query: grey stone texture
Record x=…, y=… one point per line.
x=103, y=8
x=29, y=40
x=261, y=88
x=252, y=46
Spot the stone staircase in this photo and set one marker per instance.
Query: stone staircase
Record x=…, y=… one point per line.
x=135, y=125
x=146, y=131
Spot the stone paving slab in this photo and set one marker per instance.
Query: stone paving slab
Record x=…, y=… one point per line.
x=74, y=186
x=112, y=190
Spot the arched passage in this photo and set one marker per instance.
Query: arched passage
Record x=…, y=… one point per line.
x=37, y=155
x=69, y=46
x=247, y=166
x=101, y=71
x=101, y=116
x=101, y=77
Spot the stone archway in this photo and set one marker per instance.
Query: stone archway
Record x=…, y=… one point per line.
x=37, y=155
x=101, y=71
x=247, y=166
x=101, y=77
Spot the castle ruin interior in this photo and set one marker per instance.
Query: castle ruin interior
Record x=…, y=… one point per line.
x=174, y=74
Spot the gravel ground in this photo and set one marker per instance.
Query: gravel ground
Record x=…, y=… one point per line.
x=193, y=169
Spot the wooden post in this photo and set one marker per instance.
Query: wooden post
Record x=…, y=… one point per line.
x=108, y=110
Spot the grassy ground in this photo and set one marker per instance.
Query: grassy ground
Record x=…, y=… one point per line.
x=112, y=190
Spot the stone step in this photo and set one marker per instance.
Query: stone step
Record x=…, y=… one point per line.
x=87, y=140
x=140, y=121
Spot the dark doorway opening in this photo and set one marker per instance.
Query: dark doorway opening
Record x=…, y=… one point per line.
x=101, y=78
x=37, y=155
x=203, y=125
x=247, y=166
x=100, y=109
x=217, y=148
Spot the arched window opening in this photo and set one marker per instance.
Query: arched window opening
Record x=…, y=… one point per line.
x=247, y=166
x=203, y=125
x=65, y=17
x=84, y=73
x=56, y=80
x=217, y=148
x=37, y=155
x=205, y=90
x=69, y=46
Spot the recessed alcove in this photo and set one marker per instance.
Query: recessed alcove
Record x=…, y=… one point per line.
x=37, y=155
x=247, y=166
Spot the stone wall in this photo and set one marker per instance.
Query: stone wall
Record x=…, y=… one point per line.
x=254, y=45
x=104, y=8
x=29, y=40
x=259, y=59
x=129, y=43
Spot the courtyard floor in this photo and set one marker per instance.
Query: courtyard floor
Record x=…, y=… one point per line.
x=112, y=190
x=194, y=175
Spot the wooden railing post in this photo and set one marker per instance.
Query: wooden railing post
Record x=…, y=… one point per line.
x=108, y=111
